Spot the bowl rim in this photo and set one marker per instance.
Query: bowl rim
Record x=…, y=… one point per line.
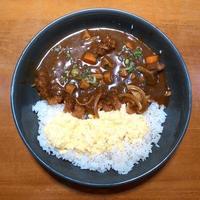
x=85, y=183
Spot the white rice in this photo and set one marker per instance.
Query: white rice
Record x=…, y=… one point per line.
x=120, y=161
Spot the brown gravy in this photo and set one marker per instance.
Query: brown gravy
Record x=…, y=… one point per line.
x=95, y=66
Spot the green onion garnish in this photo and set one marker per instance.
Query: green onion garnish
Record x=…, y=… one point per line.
x=131, y=67
x=92, y=80
x=127, y=61
x=137, y=53
x=74, y=72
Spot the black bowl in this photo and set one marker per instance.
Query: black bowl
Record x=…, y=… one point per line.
x=23, y=96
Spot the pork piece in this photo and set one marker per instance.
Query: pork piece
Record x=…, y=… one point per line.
x=79, y=111
x=130, y=108
x=69, y=104
x=116, y=103
x=110, y=102
x=107, y=107
x=42, y=84
x=107, y=62
x=55, y=100
x=156, y=67
x=106, y=45
x=149, y=75
x=46, y=89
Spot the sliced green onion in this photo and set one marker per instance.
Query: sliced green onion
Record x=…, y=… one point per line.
x=137, y=53
x=130, y=68
x=63, y=79
x=75, y=72
x=132, y=64
x=68, y=55
x=92, y=80
x=127, y=61
x=85, y=73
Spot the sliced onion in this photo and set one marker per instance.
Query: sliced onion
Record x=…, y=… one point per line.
x=133, y=87
x=151, y=80
x=145, y=99
x=86, y=103
x=96, y=101
x=134, y=99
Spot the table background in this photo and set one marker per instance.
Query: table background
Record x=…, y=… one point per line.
x=21, y=177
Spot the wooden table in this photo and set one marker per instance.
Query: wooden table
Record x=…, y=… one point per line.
x=21, y=177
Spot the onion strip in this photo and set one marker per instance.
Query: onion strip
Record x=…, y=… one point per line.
x=134, y=99
x=96, y=101
x=86, y=103
x=145, y=99
x=133, y=87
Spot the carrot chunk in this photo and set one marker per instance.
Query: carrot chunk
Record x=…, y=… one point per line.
x=130, y=44
x=151, y=59
x=89, y=58
x=69, y=88
x=84, y=84
x=107, y=77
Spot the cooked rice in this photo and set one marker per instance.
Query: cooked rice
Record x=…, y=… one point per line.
x=120, y=161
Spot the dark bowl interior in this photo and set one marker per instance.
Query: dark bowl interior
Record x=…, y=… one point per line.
x=23, y=96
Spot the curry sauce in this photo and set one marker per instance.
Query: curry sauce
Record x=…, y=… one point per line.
x=101, y=69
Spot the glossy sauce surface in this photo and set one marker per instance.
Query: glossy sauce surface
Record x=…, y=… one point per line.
x=101, y=62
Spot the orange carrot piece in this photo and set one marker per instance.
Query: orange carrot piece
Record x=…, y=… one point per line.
x=89, y=57
x=130, y=44
x=151, y=59
x=107, y=77
x=84, y=84
x=69, y=88
x=98, y=76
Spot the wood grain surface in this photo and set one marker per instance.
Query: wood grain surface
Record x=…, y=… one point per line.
x=21, y=177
